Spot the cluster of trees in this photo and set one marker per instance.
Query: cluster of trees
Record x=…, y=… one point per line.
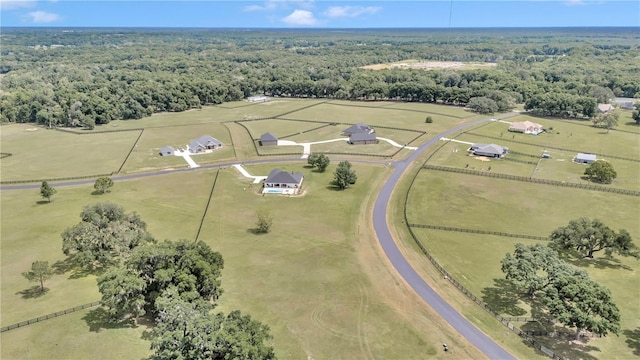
x=131, y=74
x=567, y=293
x=177, y=283
x=320, y=161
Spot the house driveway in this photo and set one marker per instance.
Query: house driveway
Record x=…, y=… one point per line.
x=243, y=171
x=187, y=157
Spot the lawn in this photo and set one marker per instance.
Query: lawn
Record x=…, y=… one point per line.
x=47, y=154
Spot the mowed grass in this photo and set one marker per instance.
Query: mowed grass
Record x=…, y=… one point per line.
x=46, y=154
x=146, y=154
x=306, y=278
x=571, y=135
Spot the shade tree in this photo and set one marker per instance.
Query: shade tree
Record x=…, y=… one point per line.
x=601, y=171
x=344, y=176
x=583, y=237
x=40, y=272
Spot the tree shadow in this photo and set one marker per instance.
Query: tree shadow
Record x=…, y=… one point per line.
x=99, y=319
x=256, y=231
x=71, y=265
x=502, y=298
x=32, y=292
x=607, y=262
x=43, y=202
x=633, y=339
x=97, y=192
x=632, y=123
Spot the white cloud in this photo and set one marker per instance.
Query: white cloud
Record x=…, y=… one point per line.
x=16, y=4
x=41, y=17
x=300, y=17
x=350, y=11
x=271, y=5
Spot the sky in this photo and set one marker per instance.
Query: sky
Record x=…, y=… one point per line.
x=320, y=13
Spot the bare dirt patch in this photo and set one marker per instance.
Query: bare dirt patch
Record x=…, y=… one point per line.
x=431, y=65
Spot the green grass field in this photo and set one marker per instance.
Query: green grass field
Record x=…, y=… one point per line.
x=318, y=279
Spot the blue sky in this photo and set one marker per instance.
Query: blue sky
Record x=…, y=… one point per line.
x=319, y=13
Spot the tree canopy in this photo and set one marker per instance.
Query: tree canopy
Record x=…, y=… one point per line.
x=46, y=191
x=584, y=237
x=192, y=268
x=321, y=161
x=344, y=175
x=103, y=184
x=40, y=272
x=601, y=171
x=105, y=235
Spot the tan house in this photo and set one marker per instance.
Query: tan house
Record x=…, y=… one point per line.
x=526, y=127
x=603, y=108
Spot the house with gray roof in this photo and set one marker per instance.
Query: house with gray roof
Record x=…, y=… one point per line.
x=268, y=139
x=584, y=158
x=363, y=139
x=488, y=150
x=167, y=151
x=283, y=182
x=204, y=143
x=359, y=128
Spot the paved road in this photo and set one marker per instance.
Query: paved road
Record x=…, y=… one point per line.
x=462, y=325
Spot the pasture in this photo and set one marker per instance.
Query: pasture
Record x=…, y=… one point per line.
x=491, y=204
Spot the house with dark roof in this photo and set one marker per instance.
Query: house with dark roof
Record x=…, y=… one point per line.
x=488, y=150
x=167, y=151
x=268, y=139
x=359, y=128
x=283, y=182
x=584, y=158
x=204, y=143
x=363, y=139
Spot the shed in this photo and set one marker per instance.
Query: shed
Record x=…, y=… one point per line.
x=167, y=151
x=584, y=158
x=268, y=139
x=258, y=98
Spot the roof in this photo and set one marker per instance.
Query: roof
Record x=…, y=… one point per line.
x=205, y=140
x=489, y=148
x=284, y=177
x=358, y=128
x=584, y=156
x=605, y=107
x=362, y=137
x=268, y=137
x=166, y=149
x=524, y=125
x=257, y=97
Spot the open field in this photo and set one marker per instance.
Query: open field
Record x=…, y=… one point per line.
x=431, y=65
x=339, y=308
x=43, y=154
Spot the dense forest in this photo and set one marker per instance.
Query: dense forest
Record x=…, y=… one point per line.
x=84, y=77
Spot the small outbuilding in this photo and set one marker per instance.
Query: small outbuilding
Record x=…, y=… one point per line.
x=603, y=108
x=489, y=150
x=204, y=143
x=526, y=127
x=167, y=151
x=362, y=139
x=584, y=158
x=268, y=139
x=359, y=128
x=258, y=99
x=283, y=182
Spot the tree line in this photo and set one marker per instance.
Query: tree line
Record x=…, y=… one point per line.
x=93, y=77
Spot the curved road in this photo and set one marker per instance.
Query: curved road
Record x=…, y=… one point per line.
x=462, y=325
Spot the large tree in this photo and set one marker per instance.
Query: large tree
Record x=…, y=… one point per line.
x=532, y=267
x=105, y=235
x=321, y=161
x=578, y=302
x=601, y=171
x=47, y=191
x=344, y=175
x=189, y=330
x=192, y=268
x=584, y=237
x=40, y=272
x=607, y=120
